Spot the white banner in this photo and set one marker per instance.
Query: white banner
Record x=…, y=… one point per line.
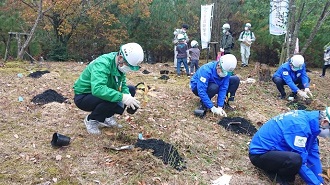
x=206, y=24
x=278, y=16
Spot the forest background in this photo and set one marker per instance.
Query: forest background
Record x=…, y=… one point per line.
x=81, y=30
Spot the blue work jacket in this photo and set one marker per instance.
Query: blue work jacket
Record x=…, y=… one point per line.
x=294, y=131
x=206, y=74
x=291, y=77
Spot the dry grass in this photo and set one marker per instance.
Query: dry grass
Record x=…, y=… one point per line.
x=210, y=151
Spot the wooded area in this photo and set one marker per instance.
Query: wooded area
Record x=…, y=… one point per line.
x=80, y=30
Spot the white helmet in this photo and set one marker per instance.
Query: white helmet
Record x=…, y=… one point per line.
x=228, y=62
x=180, y=36
x=248, y=25
x=226, y=26
x=133, y=55
x=297, y=61
x=194, y=43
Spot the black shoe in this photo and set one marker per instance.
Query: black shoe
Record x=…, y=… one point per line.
x=282, y=97
x=294, y=95
x=228, y=107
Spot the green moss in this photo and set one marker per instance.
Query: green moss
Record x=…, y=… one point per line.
x=52, y=171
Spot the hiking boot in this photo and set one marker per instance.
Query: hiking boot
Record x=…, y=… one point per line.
x=92, y=126
x=294, y=95
x=200, y=111
x=228, y=107
x=110, y=122
x=282, y=96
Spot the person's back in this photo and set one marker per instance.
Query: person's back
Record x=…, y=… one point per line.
x=182, y=50
x=194, y=53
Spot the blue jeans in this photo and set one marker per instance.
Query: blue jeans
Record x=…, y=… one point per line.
x=178, y=65
x=193, y=66
x=100, y=109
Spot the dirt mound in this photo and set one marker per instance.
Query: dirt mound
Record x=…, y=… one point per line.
x=296, y=105
x=164, y=151
x=238, y=125
x=37, y=74
x=47, y=97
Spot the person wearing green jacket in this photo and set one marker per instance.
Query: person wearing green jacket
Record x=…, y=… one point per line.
x=102, y=90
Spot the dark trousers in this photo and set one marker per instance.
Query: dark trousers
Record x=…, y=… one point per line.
x=213, y=88
x=324, y=69
x=280, y=84
x=99, y=108
x=193, y=66
x=283, y=165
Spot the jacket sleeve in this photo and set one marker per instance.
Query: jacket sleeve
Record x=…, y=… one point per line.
x=124, y=89
x=253, y=37
x=304, y=77
x=311, y=169
x=223, y=91
x=202, y=85
x=288, y=80
x=240, y=37
x=99, y=78
x=299, y=142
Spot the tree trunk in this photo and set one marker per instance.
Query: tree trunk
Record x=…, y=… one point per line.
x=322, y=18
x=27, y=42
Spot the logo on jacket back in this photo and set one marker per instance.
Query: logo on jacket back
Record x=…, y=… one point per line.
x=300, y=141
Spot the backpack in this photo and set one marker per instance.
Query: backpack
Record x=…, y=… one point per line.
x=244, y=33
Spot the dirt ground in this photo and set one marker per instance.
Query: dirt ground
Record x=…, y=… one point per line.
x=208, y=149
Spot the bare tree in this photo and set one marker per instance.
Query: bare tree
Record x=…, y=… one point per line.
x=324, y=15
x=28, y=40
x=297, y=16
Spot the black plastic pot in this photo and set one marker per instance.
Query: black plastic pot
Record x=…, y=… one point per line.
x=60, y=140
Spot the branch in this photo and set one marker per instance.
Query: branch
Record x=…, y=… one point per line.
x=325, y=13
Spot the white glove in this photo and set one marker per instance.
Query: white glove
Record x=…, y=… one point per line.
x=302, y=94
x=222, y=50
x=218, y=111
x=130, y=101
x=308, y=92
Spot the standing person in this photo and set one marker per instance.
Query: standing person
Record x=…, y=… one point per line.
x=227, y=41
x=211, y=79
x=194, y=53
x=246, y=38
x=182, y=55
x=287, y=145
x=326, y=58
x=291, y=73
x=101, y=88
x=176, y=32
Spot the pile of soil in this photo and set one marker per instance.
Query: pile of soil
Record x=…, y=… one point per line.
x=296, y=105
x=145, y=72
x=164, y=77
x=47, y=97
x=37, y=74
x=238, y=125
x=164, y=151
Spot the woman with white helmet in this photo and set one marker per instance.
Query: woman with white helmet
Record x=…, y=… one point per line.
x=227, y=41
x=214, y=78
x=326, y=58
x=102, y=90
x=291, y=73
x=246, y=38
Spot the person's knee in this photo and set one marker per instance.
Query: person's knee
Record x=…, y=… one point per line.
x=234, y=80
x=295, y=160
x=132, y=90
x=277, y=80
